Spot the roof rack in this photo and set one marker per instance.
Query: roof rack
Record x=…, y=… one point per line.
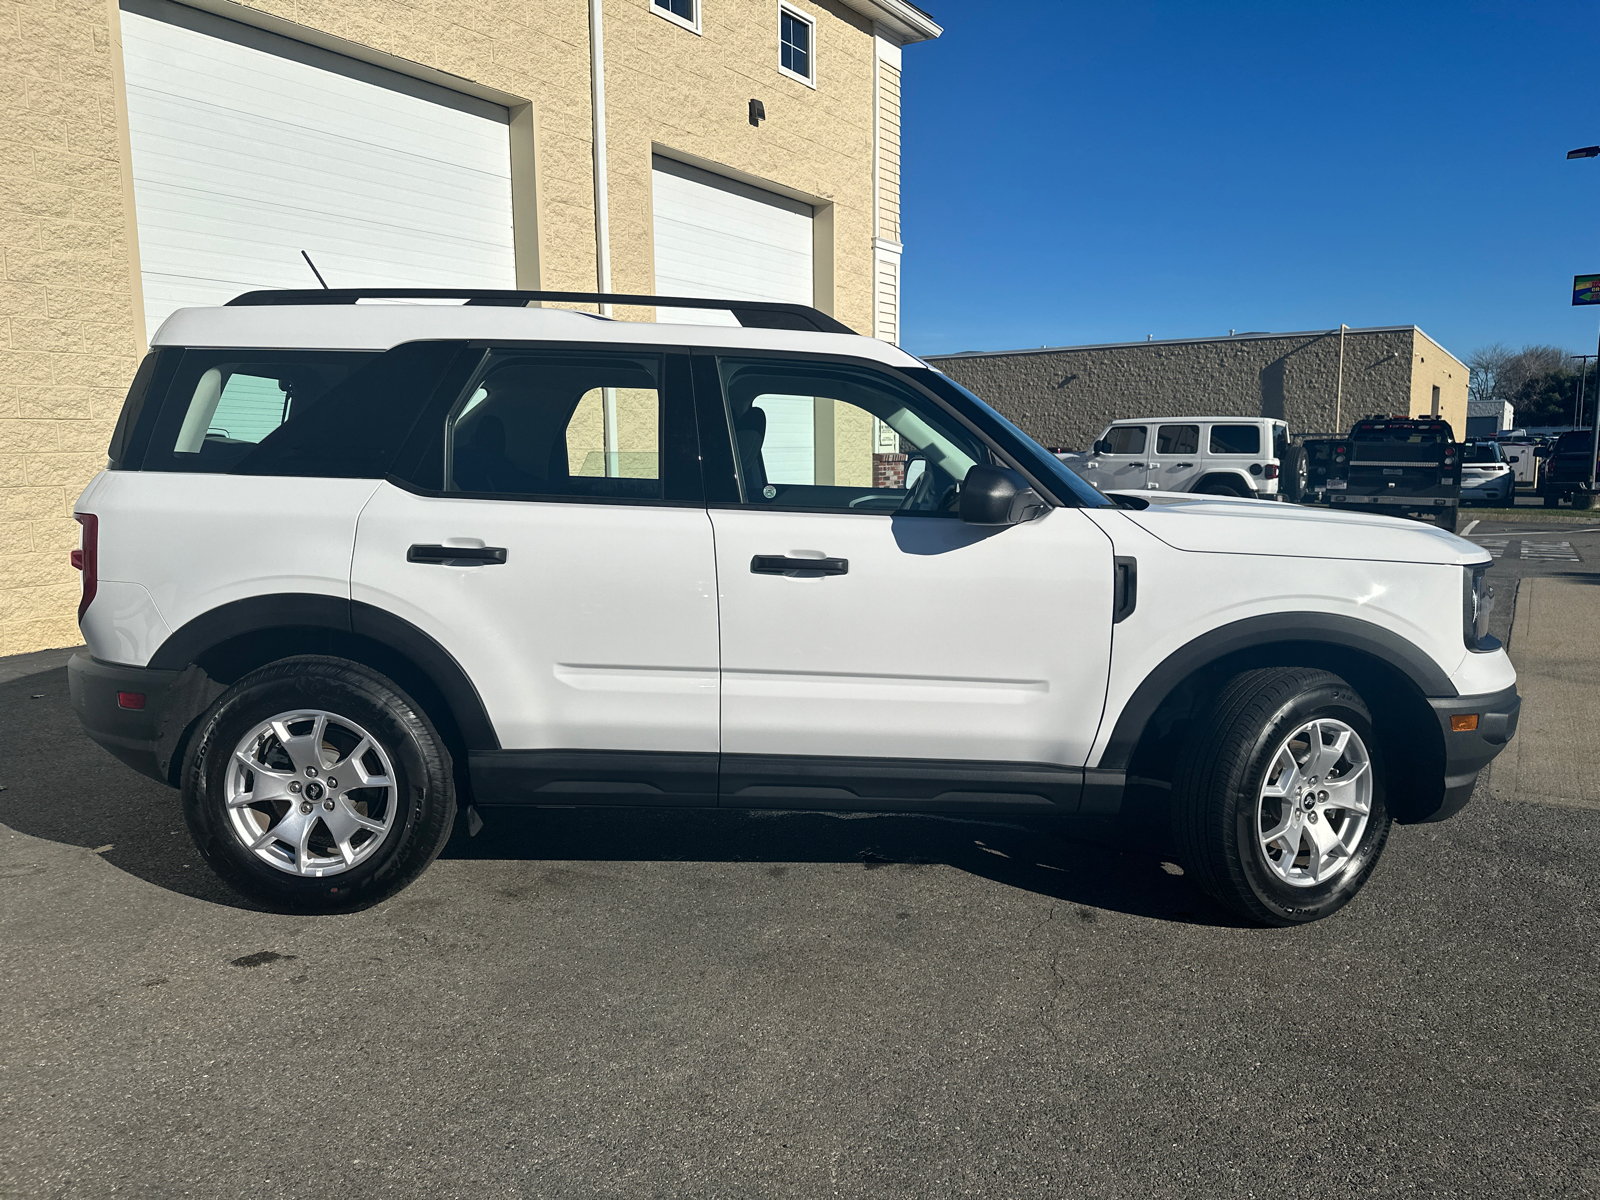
x=753, y=314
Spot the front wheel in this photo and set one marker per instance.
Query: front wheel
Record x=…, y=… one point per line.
x=317, y=784
x=1279, y=804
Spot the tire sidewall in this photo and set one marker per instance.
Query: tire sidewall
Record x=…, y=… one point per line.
x=1296, y=905
x=422, y=781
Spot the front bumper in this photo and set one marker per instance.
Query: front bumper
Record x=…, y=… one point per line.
x=1466, y=752
x=144, y=738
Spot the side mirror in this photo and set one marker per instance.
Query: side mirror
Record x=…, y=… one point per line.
x=998, y=496
x=1515, y=458
x=1103, y=446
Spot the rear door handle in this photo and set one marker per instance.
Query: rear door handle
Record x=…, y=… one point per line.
x=1185, y=464
x=462, y=556
x=777, y=564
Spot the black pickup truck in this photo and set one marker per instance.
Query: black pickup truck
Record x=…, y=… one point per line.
x=1400, y=466
x=1566, y=470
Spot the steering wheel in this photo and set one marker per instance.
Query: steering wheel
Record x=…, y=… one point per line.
x=917, y=494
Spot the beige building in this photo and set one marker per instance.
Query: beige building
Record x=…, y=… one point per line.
x=1320, y=381
x=159, y=154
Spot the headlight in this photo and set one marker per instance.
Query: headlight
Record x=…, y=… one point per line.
x=1477, y=602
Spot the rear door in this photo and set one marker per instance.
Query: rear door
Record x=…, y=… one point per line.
x=551, y=536
x=921, y=662
x=1175, y=465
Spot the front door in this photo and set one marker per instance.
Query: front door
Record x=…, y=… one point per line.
x=921, y=662
x=1124, y=464
x=556, y=545
x=1175, y=465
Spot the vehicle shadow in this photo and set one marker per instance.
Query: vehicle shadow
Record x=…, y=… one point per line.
x=58, y=785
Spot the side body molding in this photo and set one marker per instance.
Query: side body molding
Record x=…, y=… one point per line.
x=291, y=611
x=1258, y=633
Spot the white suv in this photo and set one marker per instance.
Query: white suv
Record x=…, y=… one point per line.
x=1248, y=457
x=355, y=564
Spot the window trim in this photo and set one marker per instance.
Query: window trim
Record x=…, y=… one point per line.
x=668, y=15
x=798, y=14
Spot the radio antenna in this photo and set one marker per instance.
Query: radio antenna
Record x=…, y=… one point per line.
x=314, y=270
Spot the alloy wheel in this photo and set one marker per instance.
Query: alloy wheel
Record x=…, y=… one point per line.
x=1314, y=804
x=311, y=793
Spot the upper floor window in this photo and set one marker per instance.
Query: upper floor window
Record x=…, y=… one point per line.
x=679, y=12
x=797, y=34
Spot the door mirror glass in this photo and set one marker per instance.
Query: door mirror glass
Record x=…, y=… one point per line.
x=915, y=468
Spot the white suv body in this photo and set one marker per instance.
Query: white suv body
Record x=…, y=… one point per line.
x=528, y=556
x=1228, y=456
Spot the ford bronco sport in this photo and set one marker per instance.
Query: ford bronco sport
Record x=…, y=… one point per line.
x=353, y=565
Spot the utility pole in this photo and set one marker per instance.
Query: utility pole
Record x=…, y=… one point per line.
x=1338, y=395
x=1594, y=440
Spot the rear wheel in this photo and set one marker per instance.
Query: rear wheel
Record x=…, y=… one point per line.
x=1551, y=500
x=318, y=784
x=1221, y=487
x=1279, y=805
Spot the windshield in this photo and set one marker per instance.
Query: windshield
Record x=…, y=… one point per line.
x=1067, y=487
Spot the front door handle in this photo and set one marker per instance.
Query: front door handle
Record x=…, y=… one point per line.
x=1136, y=464
x=458, y=556
x=777, y=564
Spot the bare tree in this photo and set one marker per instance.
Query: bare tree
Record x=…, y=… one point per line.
x=1531, y=362
x=1486, y=363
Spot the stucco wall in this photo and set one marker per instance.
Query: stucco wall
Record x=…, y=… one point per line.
x=1065, y=397
x=72, y=317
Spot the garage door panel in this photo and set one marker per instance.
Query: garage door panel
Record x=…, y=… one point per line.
x=248, y=148
x=718, y=237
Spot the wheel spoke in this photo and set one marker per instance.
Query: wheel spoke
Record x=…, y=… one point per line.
x=344, y=822
x=1325, y=848
x=1288, y=776
x=1346, y=794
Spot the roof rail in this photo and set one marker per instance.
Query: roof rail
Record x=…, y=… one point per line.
x=753, y=314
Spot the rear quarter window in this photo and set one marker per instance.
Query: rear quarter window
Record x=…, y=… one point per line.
x=1236, y=439
x=330, y=413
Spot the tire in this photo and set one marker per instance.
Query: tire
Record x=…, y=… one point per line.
x=1448, y=518
x=1221, y=488
x=392, y=825
x=1235, y=757
x=1551, y=500
x=1293, y=473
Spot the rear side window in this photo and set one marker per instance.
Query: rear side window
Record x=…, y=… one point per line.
x=338, y=413
x=1126, y=439
x=559, y=425
x=1178, y=439
x=133, y=406
x=1235, y=439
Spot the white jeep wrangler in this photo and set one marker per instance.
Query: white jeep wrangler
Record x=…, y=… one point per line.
x=353, y=565
x=1249, y=457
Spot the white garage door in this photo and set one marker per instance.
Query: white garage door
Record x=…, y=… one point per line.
x=249, y=148
x=718, y=238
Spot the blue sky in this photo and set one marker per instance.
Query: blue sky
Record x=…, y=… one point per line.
x=1081, y=173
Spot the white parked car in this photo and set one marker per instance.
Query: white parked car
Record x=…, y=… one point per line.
x=1486, y=474
x=1248, y=457
x=353, y=565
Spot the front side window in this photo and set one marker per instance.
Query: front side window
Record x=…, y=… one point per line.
x=1235, y=439
x=682, y=12
x=796, y=33
x=1178, y=439
x=1125, y=439
x=814, y=436
x=558, y=425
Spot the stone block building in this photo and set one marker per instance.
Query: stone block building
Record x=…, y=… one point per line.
x=1319, y=382
x=156, y=154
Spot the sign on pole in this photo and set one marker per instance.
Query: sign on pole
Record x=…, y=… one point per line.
x=1586, y=289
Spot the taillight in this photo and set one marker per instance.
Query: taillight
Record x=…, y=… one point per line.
x=87, y=558
x=1272, y=470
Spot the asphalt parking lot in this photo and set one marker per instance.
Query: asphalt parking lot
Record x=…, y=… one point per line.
x=712, y=1004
